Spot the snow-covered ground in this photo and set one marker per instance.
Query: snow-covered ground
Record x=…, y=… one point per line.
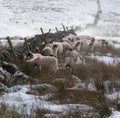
x=17, y=97
x=115, y=114
x=107, y=60
x=25, y=17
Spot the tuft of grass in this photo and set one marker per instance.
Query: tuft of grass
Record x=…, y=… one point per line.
x=6, y=113
x=83, y=113
x=99, y=83
x=41, y=112
x=103, y=109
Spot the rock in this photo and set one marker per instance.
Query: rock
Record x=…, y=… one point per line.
x=9, y=67
x=21, y=78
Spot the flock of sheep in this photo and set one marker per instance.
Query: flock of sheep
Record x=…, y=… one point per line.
x=70, y=47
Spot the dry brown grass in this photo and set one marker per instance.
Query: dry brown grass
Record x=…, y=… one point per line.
x=7, y=113
x=98, y=71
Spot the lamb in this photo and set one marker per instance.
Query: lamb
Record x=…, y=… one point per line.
x=109, y=44
x=47, y=51
x=77, y=46
x=66, y=46
x=57, y=49
x=44, y=63
x=70, y=39
x=82, y=45
x=73, y=54
x=97, y=44
x=60, y=48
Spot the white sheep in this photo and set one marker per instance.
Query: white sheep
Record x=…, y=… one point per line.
x=71, y=39
x=101, y=44
x=73, y=55
x=82, y=45
x=77, y=46
x=109, y=44
x=47, y=51
x=60, y=48
x=57, y=48
x=44, y=63
x=98, y=44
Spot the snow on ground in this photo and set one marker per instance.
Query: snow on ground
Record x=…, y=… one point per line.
x=15, y=42
x=25, y=17
x=25, y=102
x=108, y=22
x=113, y=96
x=115, y=114
x=106, y=59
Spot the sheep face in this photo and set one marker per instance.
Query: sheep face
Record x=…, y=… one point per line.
x=29, y=55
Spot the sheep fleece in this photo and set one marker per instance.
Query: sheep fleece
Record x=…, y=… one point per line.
x=47, y=63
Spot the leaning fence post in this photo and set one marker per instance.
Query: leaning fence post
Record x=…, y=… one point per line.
x=11, y=47
x=56, y=29
x=63, y=27
x=67, y=28
x=42, y=30
x=49, y=31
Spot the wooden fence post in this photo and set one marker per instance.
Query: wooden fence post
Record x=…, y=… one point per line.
x=67, y=28
x=56, y=29
x=49, y=31
x=63, y=27
x=42, y=30
x=11, y=47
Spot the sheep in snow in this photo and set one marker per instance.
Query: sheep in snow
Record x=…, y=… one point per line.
x=47, y=51
x=70, y=39
x=109, y=44
x=60, y=48
x=72, y=54
x=78, y=46
x=57, y=49
x=97, y=44
x=82, y=45
x=66, y=46
x=44, y=63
